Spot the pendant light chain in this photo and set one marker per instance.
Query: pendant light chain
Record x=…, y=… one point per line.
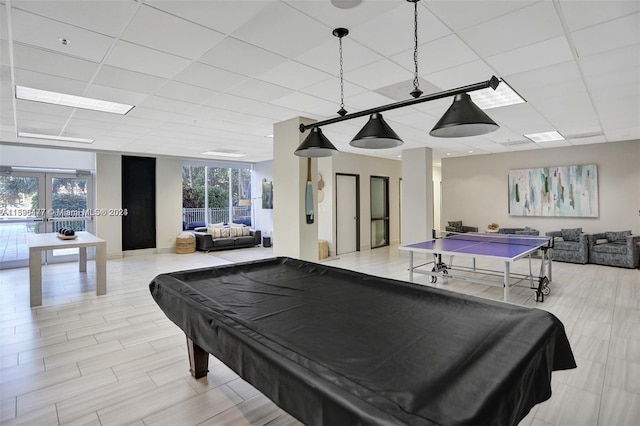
x=416, y=93
x=341, y=111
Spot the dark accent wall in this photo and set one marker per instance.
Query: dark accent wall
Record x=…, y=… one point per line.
x=139, y=198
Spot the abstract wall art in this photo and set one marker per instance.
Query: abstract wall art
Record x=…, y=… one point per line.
x=554, y=191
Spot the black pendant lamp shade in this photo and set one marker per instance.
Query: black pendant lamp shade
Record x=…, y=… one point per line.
x=463, y=118
x=316, y=145
x=376, y=134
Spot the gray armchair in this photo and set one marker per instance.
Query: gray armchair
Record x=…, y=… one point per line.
x=457, y=226
x=519, y=231
x=615, y=249
x=570, y=246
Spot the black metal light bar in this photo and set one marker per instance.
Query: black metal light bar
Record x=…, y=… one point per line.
x=492, y=82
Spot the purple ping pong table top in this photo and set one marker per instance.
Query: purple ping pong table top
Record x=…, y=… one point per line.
x=508, y=247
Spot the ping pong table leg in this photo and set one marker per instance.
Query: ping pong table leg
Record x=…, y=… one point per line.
x=411, y=266
x=506, y=281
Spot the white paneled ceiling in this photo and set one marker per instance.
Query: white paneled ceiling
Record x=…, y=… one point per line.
x=217, y=74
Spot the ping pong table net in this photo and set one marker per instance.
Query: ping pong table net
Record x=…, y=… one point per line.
x=514, y=239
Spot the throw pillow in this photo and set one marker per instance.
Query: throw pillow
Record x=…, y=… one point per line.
x=225, y=232
x=236, y=225
x=212, y=226
x=215, y=232
x=572, y=234
x=246, y=231
x=620, y=236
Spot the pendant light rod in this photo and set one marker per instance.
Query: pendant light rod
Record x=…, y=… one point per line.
x=492, y=82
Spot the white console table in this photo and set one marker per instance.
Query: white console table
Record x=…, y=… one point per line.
x=50, y=241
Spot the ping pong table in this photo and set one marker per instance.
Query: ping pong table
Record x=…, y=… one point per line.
x=505, y=247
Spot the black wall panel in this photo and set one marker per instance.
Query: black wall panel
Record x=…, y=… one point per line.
x=139, y=198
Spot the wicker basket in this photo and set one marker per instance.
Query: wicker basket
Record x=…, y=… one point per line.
x=185, y=243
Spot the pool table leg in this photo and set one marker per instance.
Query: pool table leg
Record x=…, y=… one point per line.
x=198, y=360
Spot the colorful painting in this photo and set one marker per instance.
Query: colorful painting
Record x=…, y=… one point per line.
x=554, y=191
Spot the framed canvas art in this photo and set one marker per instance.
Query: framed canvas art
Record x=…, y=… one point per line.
x=554, y=191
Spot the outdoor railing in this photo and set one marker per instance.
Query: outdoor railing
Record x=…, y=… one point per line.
x=215, y=215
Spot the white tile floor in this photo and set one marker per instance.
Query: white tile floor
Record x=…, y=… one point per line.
x=116, y=359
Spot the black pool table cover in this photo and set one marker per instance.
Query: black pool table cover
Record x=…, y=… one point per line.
x=336, y=347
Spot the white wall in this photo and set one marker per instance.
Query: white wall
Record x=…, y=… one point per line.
x=168, y=203
x=475, y=188
x=365, y=167
x=108, y=185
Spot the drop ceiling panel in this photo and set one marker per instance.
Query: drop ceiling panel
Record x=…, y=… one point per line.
x=533, y=56
x=326, y=56
x=379, y=74
x=46, y=62
x=393, y=32
x=145, y=60
x=129, y=80
x=105, y=17
x=82, y=44
x=220, y=15
x=621, y=32
x=260, y=90
x=282, y=30
x=462, y=14
x=240, y=57
x=461, y=75
x=209, y=77
x=444, y=53
x=52, y=83
x=105, y=93
x=167, y=33
x=329, y=90
x=577, y=16
x=293, y=75
x=185, y=92
x=307, y=104
x=164, y=104
x=525, y=26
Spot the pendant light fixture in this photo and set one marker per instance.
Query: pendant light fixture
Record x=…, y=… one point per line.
x=316, y=145
x=462, y=119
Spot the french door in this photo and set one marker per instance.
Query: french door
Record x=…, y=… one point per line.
x=35, y=202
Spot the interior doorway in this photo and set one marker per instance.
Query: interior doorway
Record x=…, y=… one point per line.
x=347, y=213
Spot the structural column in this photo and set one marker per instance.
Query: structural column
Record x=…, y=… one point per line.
x=292, y=235
x=417, y=195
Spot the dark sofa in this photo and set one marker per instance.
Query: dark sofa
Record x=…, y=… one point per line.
x=206, y=242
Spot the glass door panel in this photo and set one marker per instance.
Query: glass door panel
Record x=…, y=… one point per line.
x=68, y=206
x=379, y=211
x=21, y=213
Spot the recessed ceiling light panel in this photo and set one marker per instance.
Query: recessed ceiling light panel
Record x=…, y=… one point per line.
x=54, y=137
x=224, y=154
x=504, y=95
x=545, y=137
x=37, y=95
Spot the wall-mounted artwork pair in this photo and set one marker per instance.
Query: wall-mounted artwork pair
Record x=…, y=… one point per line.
x=554, y=191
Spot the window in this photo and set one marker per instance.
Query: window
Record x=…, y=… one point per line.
x=215, y=194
